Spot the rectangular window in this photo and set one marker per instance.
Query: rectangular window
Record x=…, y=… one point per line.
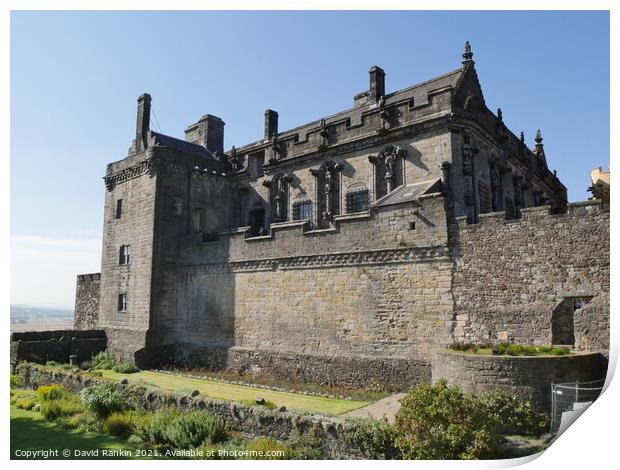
x=122, y=302
x=123, y=255
x=119, y=208
x=198, y=220
x=302, y=210
x=358, y=201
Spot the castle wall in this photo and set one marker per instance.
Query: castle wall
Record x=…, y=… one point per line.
x=86, y=312
x=370, y=288
x=423, y=155
x=181, y=191
x=511, y=276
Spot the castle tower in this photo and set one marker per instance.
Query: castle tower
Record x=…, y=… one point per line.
x=160, y=192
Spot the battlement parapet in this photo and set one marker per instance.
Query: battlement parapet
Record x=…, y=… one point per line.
x=89, y=277
x=538, y=213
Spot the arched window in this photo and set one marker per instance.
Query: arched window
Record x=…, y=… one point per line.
x=357, y=198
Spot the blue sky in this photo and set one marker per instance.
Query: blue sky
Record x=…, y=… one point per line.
x=75, y=77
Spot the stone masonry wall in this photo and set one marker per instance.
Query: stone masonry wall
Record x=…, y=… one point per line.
x=58, y=345
x=511, y=275
x=529, y=378
x=86, y=313
x=251, y=421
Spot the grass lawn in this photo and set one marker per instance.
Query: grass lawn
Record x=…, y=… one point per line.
x=224, y=391
x=30, y=431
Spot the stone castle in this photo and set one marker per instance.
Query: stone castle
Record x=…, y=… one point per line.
x=348, y=249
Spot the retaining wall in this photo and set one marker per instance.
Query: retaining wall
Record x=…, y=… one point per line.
x=528, y=377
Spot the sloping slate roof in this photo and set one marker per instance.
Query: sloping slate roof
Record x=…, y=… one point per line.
x=409, y=192
x=181, y=145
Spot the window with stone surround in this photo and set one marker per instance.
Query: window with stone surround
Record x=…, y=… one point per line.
x=484, y=193
x=198, y=220
x=122, y=302
x=123, y=255
x=302, y=210
x=119, y=208
x=357, y=199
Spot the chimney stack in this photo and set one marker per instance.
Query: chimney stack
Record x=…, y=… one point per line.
x=142, y=122
x=208, y=132
x=271, y=124
x=377, y=83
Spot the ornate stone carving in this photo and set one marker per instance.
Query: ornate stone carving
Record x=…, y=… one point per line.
x=324, y=134
x=278, y=186
x=386, y=164
x=383, y=116
x=327, y=180
x=233, y=159
x=145, y=167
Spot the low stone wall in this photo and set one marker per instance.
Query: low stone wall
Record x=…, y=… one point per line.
x=252, y=421
x=357, y=372
x=528, y=377
x=57, y=345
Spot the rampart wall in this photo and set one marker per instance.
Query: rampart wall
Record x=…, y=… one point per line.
x=511, y=276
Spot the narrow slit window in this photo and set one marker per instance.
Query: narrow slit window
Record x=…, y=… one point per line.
x=123, y=256
x=119, y=208
x=122, y=302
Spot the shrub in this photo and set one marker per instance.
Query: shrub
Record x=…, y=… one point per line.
x=125, y=368
x=16, y=381
x=60, y=407
x=545, y=349
x=103, y=360
x=441, y=422
x=560, y=351
x=190, y=430
x=269, y=446
x=104, y=399
x=502, y=347
x=374, y=438
x=51, y=392
x=25, y=403
x=530, y=351
x=515, y=416
x=84, y=421
x=514, y=350
x=151, y=427
x=119, y=423
x=308, y=444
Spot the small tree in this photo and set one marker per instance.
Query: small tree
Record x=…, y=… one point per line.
x=441, y=422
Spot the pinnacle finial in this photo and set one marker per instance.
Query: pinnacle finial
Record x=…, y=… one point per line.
x=538, y=139
x=467, y=53
x=522, y=137
x=500, y=115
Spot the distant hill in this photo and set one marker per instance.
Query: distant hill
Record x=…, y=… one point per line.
x=29, y=317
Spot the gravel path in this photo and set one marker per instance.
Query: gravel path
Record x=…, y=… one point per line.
x=386, y=408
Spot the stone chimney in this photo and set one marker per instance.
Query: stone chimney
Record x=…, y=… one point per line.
x=208, y=132
x=271, y=124
x=377, y=83
x=142, y=122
